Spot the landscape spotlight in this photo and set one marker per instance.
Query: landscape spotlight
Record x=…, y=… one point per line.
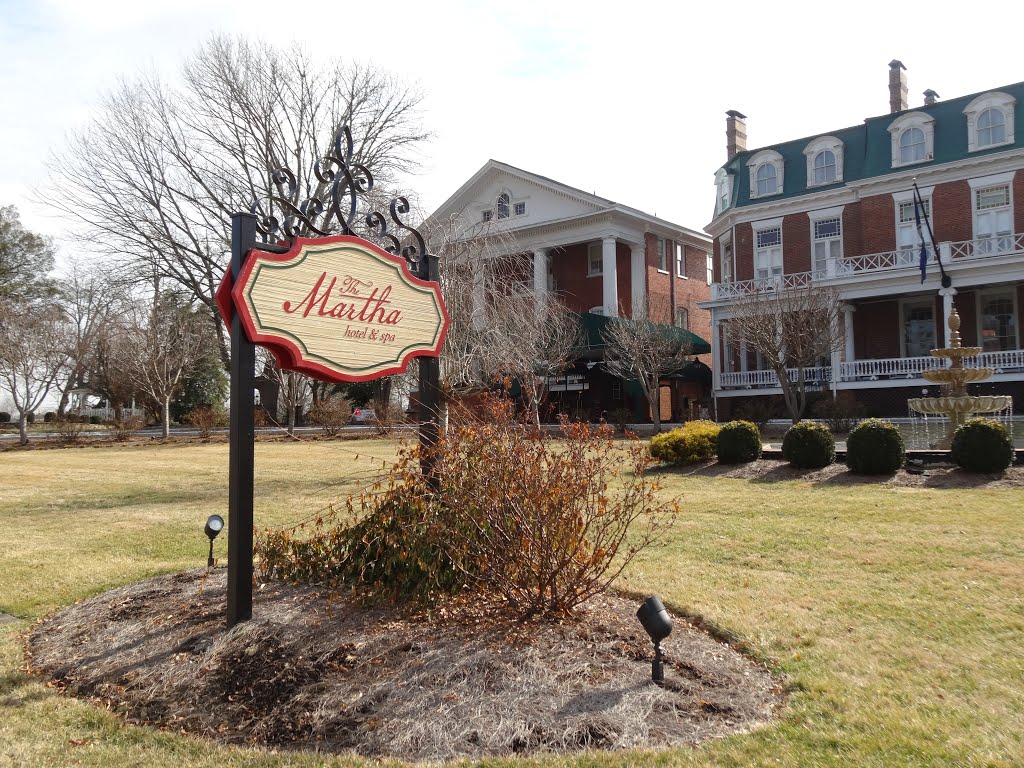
x=658, y=624
x=214, y=525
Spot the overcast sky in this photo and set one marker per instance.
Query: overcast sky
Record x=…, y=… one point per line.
x=627, y=100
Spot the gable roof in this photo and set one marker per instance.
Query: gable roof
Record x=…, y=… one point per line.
x=588, y=200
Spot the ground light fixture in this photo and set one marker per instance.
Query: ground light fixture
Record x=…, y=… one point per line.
x=214, y=525
x=658, y=624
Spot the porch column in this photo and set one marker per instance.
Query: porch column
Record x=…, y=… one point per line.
x=609, y=279
x=947, y=295
x=848, y=310
x=836, y=356
x=638, y=279
x=540, y=276
x=743, y=356
x=479, y=296
x=716, y=353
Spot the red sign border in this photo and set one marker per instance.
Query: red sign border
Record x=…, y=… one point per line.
x=288, y=355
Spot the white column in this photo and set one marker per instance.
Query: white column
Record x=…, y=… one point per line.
x=540, y=276
x=610, y=279
x=848, y=310
x=947, y=295
x=638, y=279
x=836, y=356
x=479, y=296
x=743, y=356
x=716, y=353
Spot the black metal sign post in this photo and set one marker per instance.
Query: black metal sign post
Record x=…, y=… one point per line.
x=241, y=463
x=332, y=207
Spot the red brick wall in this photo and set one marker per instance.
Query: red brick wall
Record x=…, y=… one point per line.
x=878, y=224
x=624, y=281
x=876, y=330
x=951, y=206
x=694, y=288
x=853, y=235
x=743, y=247
x=569, y=267
x=796, y=243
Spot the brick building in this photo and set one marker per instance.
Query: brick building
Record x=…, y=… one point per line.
x=837, y=210
x=599, y=258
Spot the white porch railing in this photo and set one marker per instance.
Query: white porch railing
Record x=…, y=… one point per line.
x=983, y=247
x=768, y=379
x=909, y=368
x=106, y=414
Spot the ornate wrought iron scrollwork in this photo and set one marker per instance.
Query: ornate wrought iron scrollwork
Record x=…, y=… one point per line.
x=332, y=206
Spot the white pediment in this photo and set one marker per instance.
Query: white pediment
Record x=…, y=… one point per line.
x=532, y=200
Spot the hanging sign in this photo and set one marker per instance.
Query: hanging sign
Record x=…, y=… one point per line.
x=337, y=308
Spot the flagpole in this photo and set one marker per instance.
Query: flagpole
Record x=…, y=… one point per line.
x=947, y=281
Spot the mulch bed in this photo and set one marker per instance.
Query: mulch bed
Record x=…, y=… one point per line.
x=320, y=672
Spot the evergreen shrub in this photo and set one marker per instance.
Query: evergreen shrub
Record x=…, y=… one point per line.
x=875, y=447
x=809, y=445
x=694, y=441
x=739, y=442
x=4, y=417
x=982, y=445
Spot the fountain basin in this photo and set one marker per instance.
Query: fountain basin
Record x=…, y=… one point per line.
x=956, y=375
x=945, y=406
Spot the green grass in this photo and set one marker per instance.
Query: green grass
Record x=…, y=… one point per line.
x=896, y=615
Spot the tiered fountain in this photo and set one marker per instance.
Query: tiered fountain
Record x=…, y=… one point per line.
x=957, y=405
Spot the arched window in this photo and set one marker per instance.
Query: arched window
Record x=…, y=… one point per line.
x=991, y=127
x=767, y=179
x=912, y=145
x=503, y=201
x=825, y=167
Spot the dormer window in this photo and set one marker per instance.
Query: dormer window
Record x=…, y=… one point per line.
x=824, y=161
x=990, y=121
x=766, y=173
x=724, y=184
x=913, y=138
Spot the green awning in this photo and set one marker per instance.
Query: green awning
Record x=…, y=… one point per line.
x=594, y=324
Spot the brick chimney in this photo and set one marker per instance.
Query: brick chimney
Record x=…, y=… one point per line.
x=929, y=97
x=897, y=86
x=735, y=133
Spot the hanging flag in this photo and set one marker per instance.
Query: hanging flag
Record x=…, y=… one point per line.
x=918, y=205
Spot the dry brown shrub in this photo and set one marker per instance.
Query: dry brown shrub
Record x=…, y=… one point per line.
x=331, y=414
x=205, y=419
x=125, y=427
x=69, y=428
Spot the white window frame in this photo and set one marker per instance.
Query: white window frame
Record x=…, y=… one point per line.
x=680, y=260
x=759, y=227
x=908, y=254
x=905, y=305
x=710, y=267
x=1001, y=241
x=912, y=120
x=682, y=318
x=661, y=257
x=1009, y=290
x=498, y=201
x=726, y=259
x=815, y=148
x=516, y=205
x=835, y=258
x=766, y=157
x=998, y=100
x=723, y=185
x=595, y=269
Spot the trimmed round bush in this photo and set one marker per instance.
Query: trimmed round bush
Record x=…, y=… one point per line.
x=809, y=445
x=4, y=417
x=49, y=416
x=30, y=417
x=875, y=447
x=739, y=442
x=694, y=441
x=982, y=445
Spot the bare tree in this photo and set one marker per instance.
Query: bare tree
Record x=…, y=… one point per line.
x=33, y=353
x=793, y=329
x=158, y=346
x=643, y=351
x=92, y=298
x=158, y=172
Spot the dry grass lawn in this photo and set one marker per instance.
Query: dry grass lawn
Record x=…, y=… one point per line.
x=895, y=612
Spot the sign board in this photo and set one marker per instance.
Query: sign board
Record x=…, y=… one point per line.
x=337, y=308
